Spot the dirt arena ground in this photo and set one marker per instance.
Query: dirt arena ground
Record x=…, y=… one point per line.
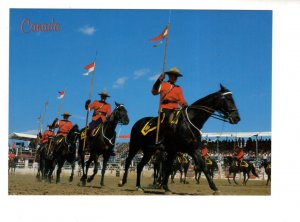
x=26, y=184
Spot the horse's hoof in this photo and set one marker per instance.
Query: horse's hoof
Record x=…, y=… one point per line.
x=217, y=192
x=89, y=180
x=139, y=189
x=168, y=192
x=120, y=184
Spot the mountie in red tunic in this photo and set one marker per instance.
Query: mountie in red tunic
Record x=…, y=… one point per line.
x=101, y=110
x=45, y=137
x=64, y=126
x=171, y=95
x=12, y=156
x=239, y=154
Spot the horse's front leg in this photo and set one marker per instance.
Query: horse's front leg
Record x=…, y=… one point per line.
x=60, y=164
x=184, y=180
x=180, y=171
x=168, y=170
x=105, y=159
x=51, y=167
x=172, y=176
x=72, y=171
x=197, y=174
x=95, y=171
x=42, y=168
x=234, y=175
x=246, y=177
x=85, y=169
x=38, y=175
x=140, y=166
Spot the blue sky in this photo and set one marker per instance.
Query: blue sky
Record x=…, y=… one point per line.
x=208, y=47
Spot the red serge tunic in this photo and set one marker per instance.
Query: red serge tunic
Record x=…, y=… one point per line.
x=171, y=95
x=46, y=135
x=239, y=155
x=12, y=156
x=101, y=110
x=64, y=126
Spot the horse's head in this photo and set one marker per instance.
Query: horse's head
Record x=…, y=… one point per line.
x=73, y=134
x=226, y=105
x=119, y=114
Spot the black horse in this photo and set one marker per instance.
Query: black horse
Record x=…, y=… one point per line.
x=184, y=138
x=245, y=167
x=211, y=165
x=44, y=161
x=101, y=143
x=12, y=165
x=64, y=149
x=267, y=165
x=181, y=164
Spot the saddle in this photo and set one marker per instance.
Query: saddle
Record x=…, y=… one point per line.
x=174, y=117
x=93, y=133
x=243, y=164
x=208, y=161
x=152, y=123
x=182, y=159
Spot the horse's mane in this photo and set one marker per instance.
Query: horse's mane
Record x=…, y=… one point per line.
x=212, y=95
x=74, y=127
x=202, y=100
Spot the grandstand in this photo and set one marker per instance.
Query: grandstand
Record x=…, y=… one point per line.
x=257, y=146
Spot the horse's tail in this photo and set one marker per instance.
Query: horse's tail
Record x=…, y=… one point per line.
x=253, y=170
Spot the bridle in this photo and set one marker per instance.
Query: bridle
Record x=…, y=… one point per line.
x=112, y=116
x=112, y=119
x=219, y=116
x=74, y=137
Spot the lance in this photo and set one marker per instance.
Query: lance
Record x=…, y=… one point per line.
x=39, y=128
x=60, y=105
x=40, y=121
x=163, y=76
x=44, y=114
x=58, y=113
x=88, y=111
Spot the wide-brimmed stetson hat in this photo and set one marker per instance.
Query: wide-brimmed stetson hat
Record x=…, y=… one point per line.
x=174, y=71
x=66, y=114
x=104, y=93
x=204, y=143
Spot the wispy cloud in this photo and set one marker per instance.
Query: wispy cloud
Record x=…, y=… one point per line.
x=141, y=72
x=119, y=83
x=153, y=78
x=87, y=30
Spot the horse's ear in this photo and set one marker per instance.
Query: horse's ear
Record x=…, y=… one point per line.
x=117, y=104
x=222, y=88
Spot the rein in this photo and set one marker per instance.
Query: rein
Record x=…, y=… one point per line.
x=109, y=140
x=209, y=110
x=105, y=137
